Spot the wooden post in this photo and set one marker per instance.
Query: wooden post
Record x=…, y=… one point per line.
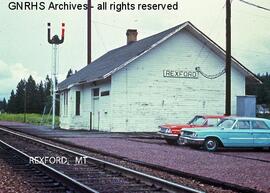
x=89, y=40
x=24, y=106
x=228, y=58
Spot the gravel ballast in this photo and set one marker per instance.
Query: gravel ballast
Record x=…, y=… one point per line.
x=11, y=182
x=236, y=170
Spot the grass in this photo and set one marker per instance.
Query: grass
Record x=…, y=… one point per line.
x=34, y=119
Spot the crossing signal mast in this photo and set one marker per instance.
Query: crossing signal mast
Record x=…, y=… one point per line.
x=55, y=41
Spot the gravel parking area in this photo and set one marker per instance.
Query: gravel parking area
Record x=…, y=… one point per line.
x=237, y=170
x=10, y=182
x=261, y=155
x=245, y=167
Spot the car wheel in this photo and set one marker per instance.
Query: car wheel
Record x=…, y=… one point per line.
x=259, y=148
x=211, y=144
x=180, y=141
x=171, y=141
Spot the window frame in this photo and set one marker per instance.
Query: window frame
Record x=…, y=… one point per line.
x=234, y=127
x=105, y=93
x=78, y=103
x=267, y=127
x=95, y=90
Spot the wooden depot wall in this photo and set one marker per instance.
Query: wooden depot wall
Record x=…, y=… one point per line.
x=160, y=87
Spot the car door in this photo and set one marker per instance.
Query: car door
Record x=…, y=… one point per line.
x=261, y=133
x=241, y=135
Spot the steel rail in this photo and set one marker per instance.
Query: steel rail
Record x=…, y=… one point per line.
x=170, y=186
x=63, y=178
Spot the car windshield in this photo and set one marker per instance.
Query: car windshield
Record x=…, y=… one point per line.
x=197, y=120
x=226, y=123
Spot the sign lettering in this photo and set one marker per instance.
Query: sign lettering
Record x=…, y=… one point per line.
x=180, y=74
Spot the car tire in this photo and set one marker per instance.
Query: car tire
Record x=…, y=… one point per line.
x=171, y=141
x=211, y=144
x=259, y=148
x=180, y=141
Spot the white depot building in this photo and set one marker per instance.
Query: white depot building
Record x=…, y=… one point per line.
x=150, y=82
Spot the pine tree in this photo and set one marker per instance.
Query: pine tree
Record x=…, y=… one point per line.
x=11, y=103
x=70, y=72
x=31, y=96
x=4, y=105
x=41, y=97
x=262, y=91
x=47, y=93
x=20, y=96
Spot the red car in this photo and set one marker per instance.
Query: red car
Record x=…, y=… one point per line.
x=171, y=132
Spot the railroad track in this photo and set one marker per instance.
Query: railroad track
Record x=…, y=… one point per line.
x=39, y=180
x=81, y=173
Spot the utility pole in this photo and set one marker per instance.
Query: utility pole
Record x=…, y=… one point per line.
x=228, y=58
x=24, y=108
x=89, y=34
x=55, y=41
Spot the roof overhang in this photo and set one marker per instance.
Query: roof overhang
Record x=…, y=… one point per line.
x=191, y=27
x=203, y=37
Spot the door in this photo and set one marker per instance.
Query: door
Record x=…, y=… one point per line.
x=261, y=133
x=96, y=114
x=241, y=135
x=96, y=109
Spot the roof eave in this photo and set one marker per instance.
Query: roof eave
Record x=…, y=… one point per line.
x=249, y=73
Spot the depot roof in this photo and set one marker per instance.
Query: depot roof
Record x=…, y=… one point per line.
x=118, y=58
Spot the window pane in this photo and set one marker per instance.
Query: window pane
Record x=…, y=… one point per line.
x=78, y=101
x=105, y=93
x=197, y=120
x=226, y=123
x=242, y=125
x=212, y=122
x=259, y=125
x=96, y=92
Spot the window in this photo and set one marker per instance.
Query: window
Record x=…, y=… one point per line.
x=259, y=125
x=226, y=123
x=105, y=93
x=212, y=121
x=96, y=92
x=78, y=102
x=197, y=120
x=65, y=109
x=242, y=124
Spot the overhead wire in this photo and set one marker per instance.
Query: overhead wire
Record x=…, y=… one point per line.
x=198, y=69
x=254, y=5
x=100, y=37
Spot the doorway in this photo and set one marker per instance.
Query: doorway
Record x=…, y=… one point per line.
x=95, y=109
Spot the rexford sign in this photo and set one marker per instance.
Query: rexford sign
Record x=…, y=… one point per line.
x=180, y=74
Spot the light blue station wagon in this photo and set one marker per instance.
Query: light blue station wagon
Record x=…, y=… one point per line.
x=230, y=132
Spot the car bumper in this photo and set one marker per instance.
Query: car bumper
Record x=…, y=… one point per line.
x=192, y=141
x=168, y=135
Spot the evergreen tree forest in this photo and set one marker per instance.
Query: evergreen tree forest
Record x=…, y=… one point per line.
x=262, y=91
x=30, y=97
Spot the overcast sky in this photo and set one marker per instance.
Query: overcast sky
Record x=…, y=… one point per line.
x=23, y=34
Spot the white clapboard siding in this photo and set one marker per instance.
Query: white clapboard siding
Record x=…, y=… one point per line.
x=141, y=98
x=72, y=121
